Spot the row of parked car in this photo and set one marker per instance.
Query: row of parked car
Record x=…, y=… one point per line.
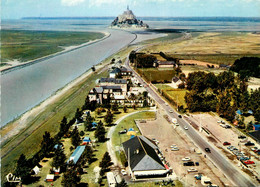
x=240, y=155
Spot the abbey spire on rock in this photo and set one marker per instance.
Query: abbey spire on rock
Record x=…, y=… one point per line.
x=128, y=20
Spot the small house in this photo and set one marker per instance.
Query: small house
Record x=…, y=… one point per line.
x=50, y=178
x=56, y=171
x=36, y=170
x=94, y=125
x=86, y=140
x=176, y=82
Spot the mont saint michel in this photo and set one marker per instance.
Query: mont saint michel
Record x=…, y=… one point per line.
x=128, y=20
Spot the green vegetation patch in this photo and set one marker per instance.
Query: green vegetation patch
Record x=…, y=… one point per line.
x=227, y=59
x=157, y=75
x=174, y=95
x=127, y=123
x=29, y=45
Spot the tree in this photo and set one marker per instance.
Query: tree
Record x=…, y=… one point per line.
x=78, y=114
x=100, y=132
x=47, y=144
x=93, y=68
x=106, y=161
x=109, y=117
x=88, y=122
x=75, y=137
x=63, y=126
x=125, y=109
x=70, y=178
x=145, y=94
x=59, y=158
x=121, y=184
x=145, y=103
x=22, y=168
x=115, y=106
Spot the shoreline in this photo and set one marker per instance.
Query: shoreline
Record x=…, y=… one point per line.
x=6, y=68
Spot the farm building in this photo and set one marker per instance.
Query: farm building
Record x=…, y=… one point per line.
x=76, y=154
x=143, y=159
x=50, y=178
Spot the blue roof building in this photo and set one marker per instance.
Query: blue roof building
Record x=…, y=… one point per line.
x=131, y=129
x=94, y=124
x=239, y=112
x=86, y=139
x=256, y=127
x=77, y=154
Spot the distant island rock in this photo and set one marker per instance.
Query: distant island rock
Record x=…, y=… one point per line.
x=128, y=20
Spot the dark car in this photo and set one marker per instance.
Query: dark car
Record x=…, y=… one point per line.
x=179, y=116
x=197, y=163
x=249, y=143
x=228, y=127
x=188, y=164
x=226, y=143
x=241, y=137
x=123, y=131
x=207, y=150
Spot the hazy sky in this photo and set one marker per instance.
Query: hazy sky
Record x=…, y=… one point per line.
x=172, y=8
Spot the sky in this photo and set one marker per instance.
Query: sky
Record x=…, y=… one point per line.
x=15, y=9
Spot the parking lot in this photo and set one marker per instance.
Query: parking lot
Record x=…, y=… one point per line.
x=167, y=136
x=219, y=134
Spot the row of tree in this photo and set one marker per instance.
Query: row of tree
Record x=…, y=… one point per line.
x=223, y=93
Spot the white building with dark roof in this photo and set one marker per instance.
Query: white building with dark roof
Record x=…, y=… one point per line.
x=143, y=159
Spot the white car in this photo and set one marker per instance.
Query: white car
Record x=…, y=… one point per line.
x=175, y=149
x=192, y=170
x=185, y=127
x=186, y=159
x=171, y=111
x=123, y=172
x=173, y=145
x=166, y=104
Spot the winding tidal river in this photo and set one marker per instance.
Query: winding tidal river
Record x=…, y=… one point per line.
x=24, y=88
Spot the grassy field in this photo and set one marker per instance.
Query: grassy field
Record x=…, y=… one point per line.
x=219, y=48
x=127, y=123
x=29, y=45
x=159, y=75
x=176, y=94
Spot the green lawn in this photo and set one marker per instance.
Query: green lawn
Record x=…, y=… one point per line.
x=29, y=45
x=127, y=123
x=176, y=94
x=158, y=75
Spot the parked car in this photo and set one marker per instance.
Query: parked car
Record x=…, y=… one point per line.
x=175, y=149
x=243, y=158
x=226, y=143
x=229, y=147
x=179, y=116
x=188, y=164
x=173, y=146
x=123, y=172
x=228, y=127
x=198, y=177
x=249, y=162
x=197, y=163
x=241, y=137
x=207, y=150
x=249, y=143
x=186, y=159
x=123, y=131
x=171, y=111
x=185, y=127
x=192, y=170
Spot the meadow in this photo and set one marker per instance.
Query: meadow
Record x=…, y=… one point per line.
x=219, y=48
x=23, y=45
x=158, y=75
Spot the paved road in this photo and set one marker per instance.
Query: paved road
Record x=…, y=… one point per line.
x=217, y=158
